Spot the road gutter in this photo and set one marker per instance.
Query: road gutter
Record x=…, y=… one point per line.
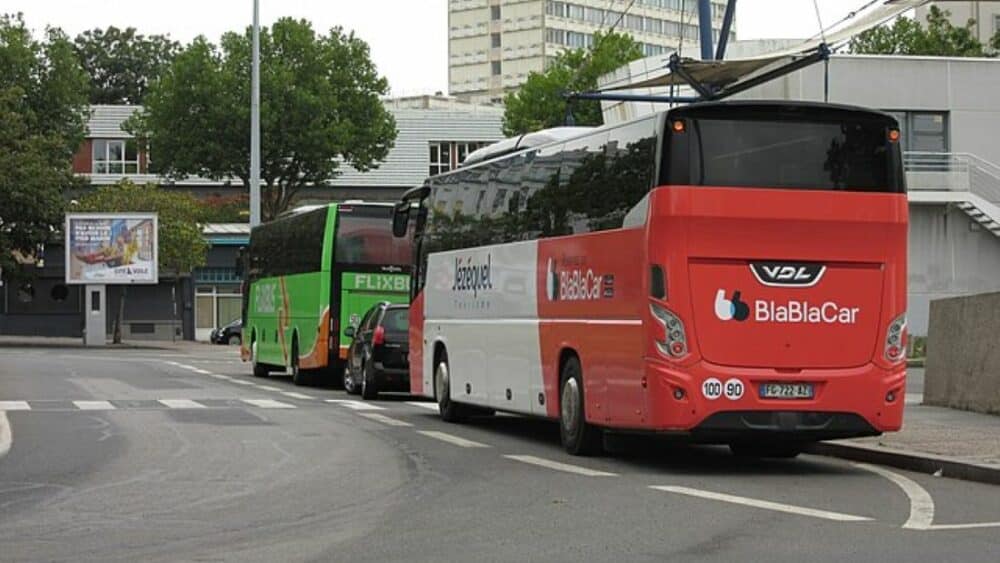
x=941, y=466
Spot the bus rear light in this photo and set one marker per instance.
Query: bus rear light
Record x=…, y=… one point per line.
x=675, y=345
x=379, y=336
x=893, y=135
x=895, y=339
x=678, y=126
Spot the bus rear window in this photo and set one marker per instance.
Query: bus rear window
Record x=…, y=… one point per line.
x=844, y=154
x=364, y=236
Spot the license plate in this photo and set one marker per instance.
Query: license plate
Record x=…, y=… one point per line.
x=786, y=390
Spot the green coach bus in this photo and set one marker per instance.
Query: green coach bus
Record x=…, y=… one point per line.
x=310, y=274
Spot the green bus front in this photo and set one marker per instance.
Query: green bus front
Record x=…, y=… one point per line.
x=312, y=273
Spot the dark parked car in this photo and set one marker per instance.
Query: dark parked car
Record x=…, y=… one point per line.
x=232, y=333
x=378, y=359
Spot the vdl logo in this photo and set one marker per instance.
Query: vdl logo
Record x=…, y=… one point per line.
x=732, y=308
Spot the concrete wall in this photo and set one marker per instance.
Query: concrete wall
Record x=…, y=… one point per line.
x=963, y=359
x=949, y=255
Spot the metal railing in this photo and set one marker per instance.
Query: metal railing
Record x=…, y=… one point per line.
x=952, y=171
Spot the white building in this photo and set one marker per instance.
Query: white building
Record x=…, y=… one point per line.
x=494, y=44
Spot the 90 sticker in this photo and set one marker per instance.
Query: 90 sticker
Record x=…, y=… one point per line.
x=733, y=389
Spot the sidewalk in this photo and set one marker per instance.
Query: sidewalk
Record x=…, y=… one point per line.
x=57, y=342
x=937, y=440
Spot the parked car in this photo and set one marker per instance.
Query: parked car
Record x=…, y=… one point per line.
x=378, y=359
x=231, y=333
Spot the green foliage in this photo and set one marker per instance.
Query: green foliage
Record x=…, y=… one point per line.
x=42, y=116
x=540, y=102
x=182, y=246
x=937, y=38
x=122, y=63
x=320, y=107
x=224, y=209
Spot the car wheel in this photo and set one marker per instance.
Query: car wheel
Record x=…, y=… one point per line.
x=780, y=450
x=349, y=385
x=369, y=388
x=578, y=436
x=259, y=370
x=235, y=340
x=450, y=412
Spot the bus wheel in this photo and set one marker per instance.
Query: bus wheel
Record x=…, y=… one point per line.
x=450, y=412
x=349, y=385
x=369, y=389
x=298, y=375
x=259, y=369
x=578, y=437
x=780, y=450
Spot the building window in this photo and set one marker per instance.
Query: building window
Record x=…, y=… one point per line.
x=923, y=131
x=447, y=155
x=495, y=13
x=495, y=40
x=495, y=68
x=115, y=157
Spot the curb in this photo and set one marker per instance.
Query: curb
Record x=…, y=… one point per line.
x=913, y=461
x=916, y=362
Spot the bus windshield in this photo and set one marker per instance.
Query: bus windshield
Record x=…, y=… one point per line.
x=364, y=236
x=844, y=151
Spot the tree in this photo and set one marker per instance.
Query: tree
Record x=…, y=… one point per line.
x=320, y=108
x=939, y=37
x=122, y=64
x=42, y=116
x=540, y=103
x=182, y=248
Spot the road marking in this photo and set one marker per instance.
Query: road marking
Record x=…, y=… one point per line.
x=295, y=395
x=383, y=419
x=6, y=435
x=428, y=406
x=765, y=504
x=180, y=404
x=541, y=462
x=921, y=503
x=241, y=381
x=356, y=405
x=220, y=376
x=964, y=526
x=201, y=371
x=268, y=404
x=14, y=406
x=267, y=388
x=461, y=442
x=94, y=405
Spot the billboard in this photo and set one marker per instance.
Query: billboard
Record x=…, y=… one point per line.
x=111, y=248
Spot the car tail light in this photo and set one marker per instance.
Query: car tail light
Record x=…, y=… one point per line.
x=675, y=345
x=379, y=336
x=895, y=339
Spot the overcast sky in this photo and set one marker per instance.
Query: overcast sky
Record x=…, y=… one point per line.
x=408, y=38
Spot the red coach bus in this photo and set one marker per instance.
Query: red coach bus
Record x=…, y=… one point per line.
x=730, y=272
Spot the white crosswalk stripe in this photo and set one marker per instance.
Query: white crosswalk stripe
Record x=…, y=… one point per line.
x=14, y=406
x=383, y=419
x=295, y=395
x=356, y=405
x=94, y=405
x=268, y=404
x=180, y=404
x=424, y=405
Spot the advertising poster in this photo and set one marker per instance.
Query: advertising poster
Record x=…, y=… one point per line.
x=106, y=249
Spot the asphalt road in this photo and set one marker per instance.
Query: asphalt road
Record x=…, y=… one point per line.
x=166, y=456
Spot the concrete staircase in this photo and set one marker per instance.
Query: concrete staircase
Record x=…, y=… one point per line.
x=965, y=180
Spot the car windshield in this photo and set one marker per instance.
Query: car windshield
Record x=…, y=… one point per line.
x=396, y=320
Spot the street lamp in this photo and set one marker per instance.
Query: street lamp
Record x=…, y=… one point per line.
x=255, y=121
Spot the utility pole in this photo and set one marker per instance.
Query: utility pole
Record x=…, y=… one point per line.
x=255, y=121
x=705, y=28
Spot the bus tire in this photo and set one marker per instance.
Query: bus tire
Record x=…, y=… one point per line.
x=779, y=450
x=450, y=412
x=369, y=387
x=259, y=369
x=578, y=437
x=298, y=375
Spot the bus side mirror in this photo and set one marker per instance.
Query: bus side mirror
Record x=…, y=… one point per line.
x=400, y=219
x=349, y=332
